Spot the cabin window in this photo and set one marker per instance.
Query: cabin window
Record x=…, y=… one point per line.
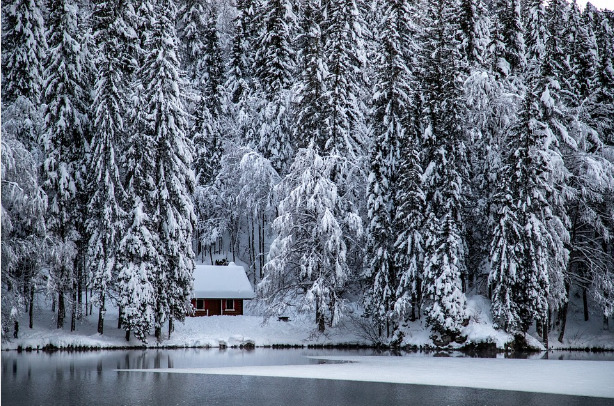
x=230, y=304
x=200, y=304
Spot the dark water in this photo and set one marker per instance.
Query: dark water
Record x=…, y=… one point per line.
x=90, y=379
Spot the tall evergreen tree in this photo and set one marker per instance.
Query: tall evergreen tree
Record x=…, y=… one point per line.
x=274, y=69
x=393, y=99
x=445, y=161
x=66, y=124
x=105, y=214
x=171, y=183
x=509, y=53
x=343, y=106
x=24, y=48
x=138, y=258
x=310, y=87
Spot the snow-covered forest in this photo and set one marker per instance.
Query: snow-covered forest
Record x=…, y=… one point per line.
x=390, y=155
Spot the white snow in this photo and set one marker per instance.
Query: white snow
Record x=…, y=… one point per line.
x=580, y=378
x=299, y=330
x=221, y=282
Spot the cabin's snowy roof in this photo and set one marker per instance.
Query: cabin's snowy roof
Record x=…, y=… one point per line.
x=221, y=282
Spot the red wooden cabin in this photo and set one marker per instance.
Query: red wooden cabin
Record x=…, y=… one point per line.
x=220, y=290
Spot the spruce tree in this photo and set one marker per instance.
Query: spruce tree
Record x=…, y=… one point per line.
x=105, y=213
x=138, y=256
x=64, y=142
x=393, y=99
x=24, y=48
x=509, y=45
x=342, y=103
x=445, y=162
x=310, y=86
x=274, y=69
x=171, y=182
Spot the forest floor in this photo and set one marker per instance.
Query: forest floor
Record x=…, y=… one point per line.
x=300, y=330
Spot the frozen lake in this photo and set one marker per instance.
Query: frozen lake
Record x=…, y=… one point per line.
x=93, y=378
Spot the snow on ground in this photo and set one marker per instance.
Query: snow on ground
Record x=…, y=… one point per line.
x=581, y=378
x=300, y=330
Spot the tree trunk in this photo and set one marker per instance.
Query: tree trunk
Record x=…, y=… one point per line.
x=16, y=329
x=253, y=241
x=170, y=327
x=86, y=305
x=128, y=335
x=262, y=249
x=563, y=313
x=31, y=306
x=319, y=318
x=53, y=304
x=158, y=333
x=73, y=307
x=120, y=317
x=80, y=290
x=61, y=310
x=606, y=322
x=101, y=312
x=545, y=331
x=585, y=304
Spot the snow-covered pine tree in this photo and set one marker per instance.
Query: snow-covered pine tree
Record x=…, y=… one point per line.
x=508, y=38
x=307, y=264
x=202, y=60
x=24, y=48
x=475, y=23
x=310, y=87
x=105, y=214
x=192, y=25
x=242, y=53
x=534, y=16
x=138, y=256
x=274, y=60
x=66, y=124
x=604, y=32
x=343, y=117
x=445, y=161
x=525, y=245
x=23, y=231
x=274, y=70
x=392, y=102
x=163, y=122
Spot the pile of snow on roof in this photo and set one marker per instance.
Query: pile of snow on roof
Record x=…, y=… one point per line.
x=221, y=282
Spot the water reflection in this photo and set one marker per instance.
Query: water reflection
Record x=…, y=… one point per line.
x=90, y=378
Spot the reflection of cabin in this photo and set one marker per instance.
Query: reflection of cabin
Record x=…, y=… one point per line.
x=220, y=290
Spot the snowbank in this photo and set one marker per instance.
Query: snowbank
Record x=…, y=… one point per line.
x=250, y=329
x=580, y=378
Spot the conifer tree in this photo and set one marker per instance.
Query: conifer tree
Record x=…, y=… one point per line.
x=343, y=108
x=475, y=24
x=64, y=141
x=393, y=99
x=310, y=88
x=171, y=183
x=105, y=214
x=138, y=256
x=24, y=48
x=445, y=161
x=509, y=53
x=274, y=69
